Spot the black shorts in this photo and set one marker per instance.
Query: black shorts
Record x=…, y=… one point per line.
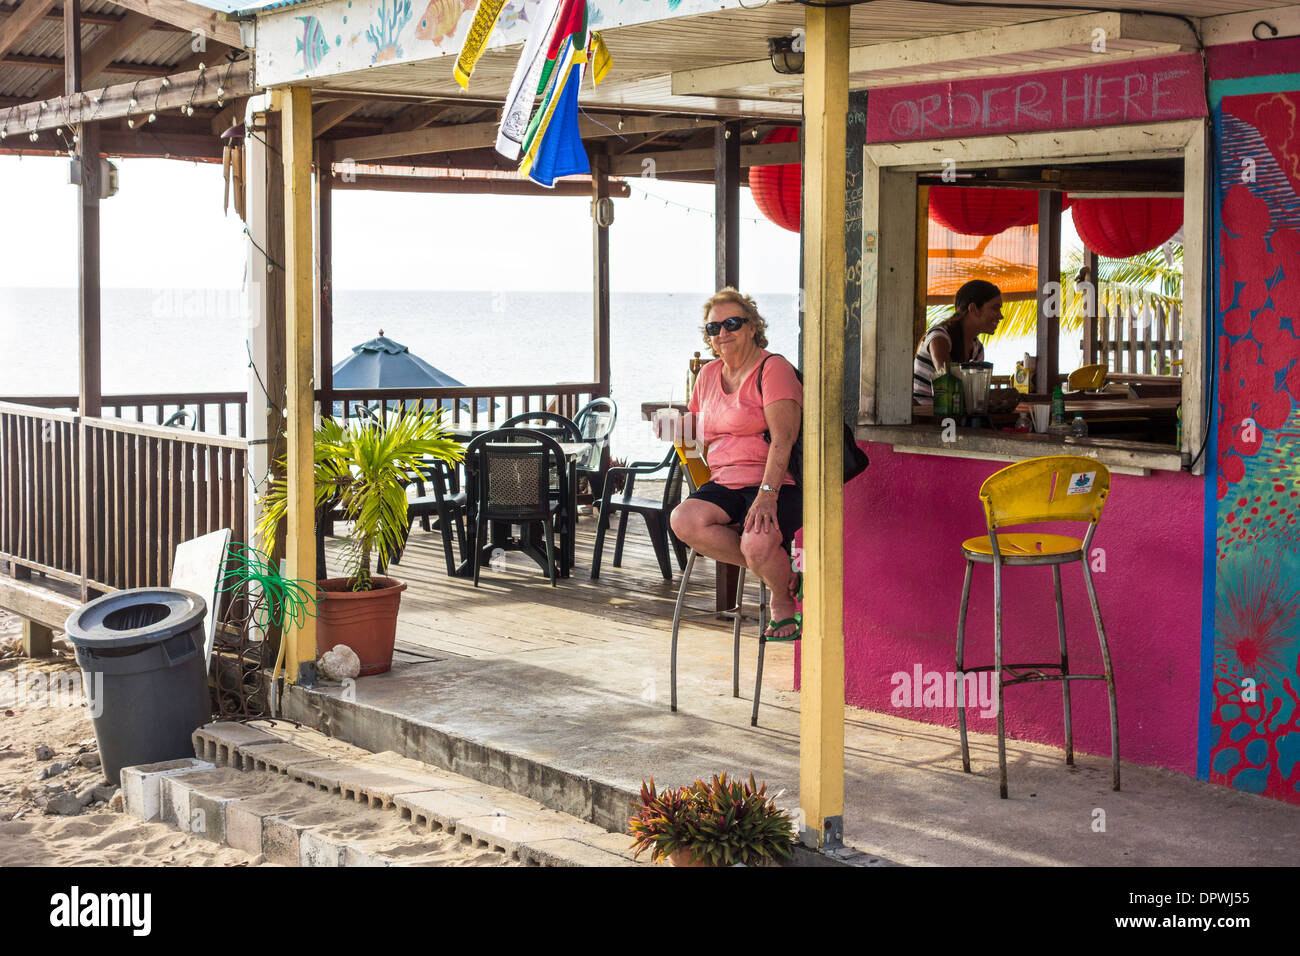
x=736, y=503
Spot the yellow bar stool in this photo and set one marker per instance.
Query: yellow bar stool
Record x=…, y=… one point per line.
x=697, y=473
x=1058, y=488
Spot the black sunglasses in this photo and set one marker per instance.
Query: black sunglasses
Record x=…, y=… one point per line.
x=731, y=325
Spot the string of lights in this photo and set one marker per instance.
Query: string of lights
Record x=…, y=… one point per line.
x=648, y=195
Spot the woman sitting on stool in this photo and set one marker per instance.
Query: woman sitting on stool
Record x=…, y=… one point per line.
x=751, y=485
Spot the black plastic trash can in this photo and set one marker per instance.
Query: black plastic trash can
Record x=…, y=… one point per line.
x=141, y=655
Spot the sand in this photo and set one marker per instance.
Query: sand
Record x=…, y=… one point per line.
x=99, y=834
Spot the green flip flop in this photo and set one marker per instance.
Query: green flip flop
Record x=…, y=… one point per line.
x=797, y=621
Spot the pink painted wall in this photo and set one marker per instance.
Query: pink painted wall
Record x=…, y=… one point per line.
x=905, y=520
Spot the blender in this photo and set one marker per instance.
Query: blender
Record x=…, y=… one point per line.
x=976, y=377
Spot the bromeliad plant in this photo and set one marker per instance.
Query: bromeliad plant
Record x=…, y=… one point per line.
x=362, y=467
x=721, y=822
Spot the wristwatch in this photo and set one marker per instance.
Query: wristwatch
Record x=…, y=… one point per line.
x=768, y=488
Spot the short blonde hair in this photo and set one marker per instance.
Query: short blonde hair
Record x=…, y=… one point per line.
x=736, y=297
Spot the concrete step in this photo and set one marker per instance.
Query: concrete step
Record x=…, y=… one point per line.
x=583, y=796
x=301, y=798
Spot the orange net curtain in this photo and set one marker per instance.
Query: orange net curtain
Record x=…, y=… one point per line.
x=1009, y=260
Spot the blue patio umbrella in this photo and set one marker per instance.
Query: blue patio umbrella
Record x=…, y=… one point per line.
x=383, y=363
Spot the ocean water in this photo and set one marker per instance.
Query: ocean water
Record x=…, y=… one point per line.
x=195, y=340
x=191, y=340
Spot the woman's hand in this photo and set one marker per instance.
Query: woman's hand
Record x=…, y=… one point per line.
x=761, y=517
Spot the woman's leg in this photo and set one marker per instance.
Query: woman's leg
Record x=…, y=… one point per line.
x=765, y=557
x=704, y=526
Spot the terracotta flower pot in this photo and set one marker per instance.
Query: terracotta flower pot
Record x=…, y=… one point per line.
x=684, y=857
x=365, y=621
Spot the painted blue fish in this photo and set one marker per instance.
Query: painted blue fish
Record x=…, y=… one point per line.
x=312, y=46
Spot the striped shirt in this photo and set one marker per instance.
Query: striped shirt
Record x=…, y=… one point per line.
x=923, y=370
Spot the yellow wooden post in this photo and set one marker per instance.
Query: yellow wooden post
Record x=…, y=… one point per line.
x=821, y=722
x=300, y=540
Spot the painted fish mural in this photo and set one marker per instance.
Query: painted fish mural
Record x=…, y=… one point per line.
x=516, y=12
x=440, y=19
x=312, y=44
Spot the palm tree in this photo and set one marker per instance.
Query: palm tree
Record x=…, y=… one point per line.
x=1150, y=279
x=362, y=467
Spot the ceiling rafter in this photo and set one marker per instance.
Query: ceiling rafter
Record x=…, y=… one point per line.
x=101, y=54
x=329, y=115
x=20, y=21
x=56, y=63
x=188, y=16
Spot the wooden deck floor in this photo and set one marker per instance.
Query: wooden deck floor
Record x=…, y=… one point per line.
x=515, y=610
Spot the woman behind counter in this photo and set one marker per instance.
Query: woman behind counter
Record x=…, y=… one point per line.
x=978, y=311
x=751, y=485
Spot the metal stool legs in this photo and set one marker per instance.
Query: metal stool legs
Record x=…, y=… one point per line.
x=1065, y=665
x=762, y=644
x=997, y=669
x=737, y=617
x=677, y=620
x=1065, y=676
x=961, y=682
x=1110, y=677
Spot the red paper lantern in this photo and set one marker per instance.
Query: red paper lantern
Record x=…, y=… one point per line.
x=776, y=188
x=1119, y=228
x=980, y=211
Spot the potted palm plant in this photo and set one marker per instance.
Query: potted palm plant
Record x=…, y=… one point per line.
x=720, y=822
x=362, y=469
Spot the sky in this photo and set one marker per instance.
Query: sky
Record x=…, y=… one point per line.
x=165, y=229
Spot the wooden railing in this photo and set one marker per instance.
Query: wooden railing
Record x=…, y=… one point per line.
x=39, y=491
x=463, y=402
x=226, y=413
x=1130, y=337
x=142, y=489
x=150, y=488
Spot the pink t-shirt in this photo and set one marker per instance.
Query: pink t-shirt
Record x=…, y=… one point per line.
x=732, y=425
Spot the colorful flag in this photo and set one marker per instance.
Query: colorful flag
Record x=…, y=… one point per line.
x=527, y=79
x=480, y=29
x=598, y=56
x=557, y=150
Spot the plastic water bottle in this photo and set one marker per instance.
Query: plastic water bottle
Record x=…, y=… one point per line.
x=1078, y=427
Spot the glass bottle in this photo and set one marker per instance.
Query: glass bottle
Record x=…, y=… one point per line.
x=1078, y=427
x=947, y=395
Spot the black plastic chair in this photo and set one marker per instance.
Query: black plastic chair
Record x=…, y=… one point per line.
x=438, y=495
x=555, y=425
x=512, y=470
x=561, y=429
x=655, y=513
x=596, y=423
x=178, y=419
